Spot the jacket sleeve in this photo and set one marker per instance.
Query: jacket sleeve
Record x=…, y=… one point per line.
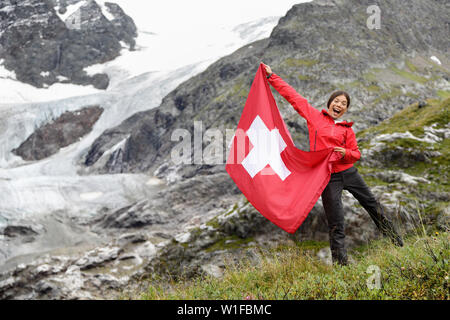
x=299, y=103
x=352, y=153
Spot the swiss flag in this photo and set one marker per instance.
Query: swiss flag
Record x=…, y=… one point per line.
x=282, y=182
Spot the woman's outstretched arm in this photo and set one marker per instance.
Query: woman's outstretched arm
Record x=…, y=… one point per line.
x=299, y=103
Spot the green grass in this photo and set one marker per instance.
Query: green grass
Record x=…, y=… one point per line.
x=238, y=90
x=230, y=242
x=373, y=75
x=411, y=66
x=395, y=92
x=443, y=94
x=303, y=77
x=419, y=270
x=406, y=143
x=411, y=72
x=292, y=62
x=409, y=75
x=413, y=119
x=373, y=88
x=368, y=178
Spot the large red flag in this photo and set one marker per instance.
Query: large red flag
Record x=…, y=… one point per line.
x=282, y=182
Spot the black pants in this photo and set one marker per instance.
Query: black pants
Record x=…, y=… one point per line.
x=351, y=181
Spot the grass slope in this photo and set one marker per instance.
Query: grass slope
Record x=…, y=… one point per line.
x=419, y=270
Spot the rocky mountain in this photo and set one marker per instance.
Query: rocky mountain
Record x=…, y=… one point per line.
x=51, y=41
x=63, y=131
x=200, y=221
x=383, y=69
x=405, y=161
x=318, y=47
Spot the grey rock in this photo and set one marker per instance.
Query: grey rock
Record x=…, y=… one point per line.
x=212, y=270
x=443, y=220
x=132, y=216
x=42, y=49
x=14, y=231
x=61, y=132
x=324, y=255
x=131, y=238
x=97, y=257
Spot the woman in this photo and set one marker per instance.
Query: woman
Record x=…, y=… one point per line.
x=324, y=132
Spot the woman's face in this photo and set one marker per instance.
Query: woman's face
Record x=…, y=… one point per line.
x=338, y=107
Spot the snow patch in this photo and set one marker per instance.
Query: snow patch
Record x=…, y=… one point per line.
x=14, y=91
x=161, y=52
x=154, y=182
x=70, y=9
x=94, y=69
x=105, y=10
x=106, y=155
x=90, y=195
x=118, y=145
x=435, y=59
x=5, y=73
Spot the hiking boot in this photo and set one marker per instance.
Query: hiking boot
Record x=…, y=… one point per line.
x=396, y=239
x=339, y=257
x=390, y=231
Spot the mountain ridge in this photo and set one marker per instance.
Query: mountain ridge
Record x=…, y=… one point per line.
x=41, y=49
x=305, y=57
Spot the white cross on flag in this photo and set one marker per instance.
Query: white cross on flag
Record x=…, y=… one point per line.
x=264, y=141
x=282, y=182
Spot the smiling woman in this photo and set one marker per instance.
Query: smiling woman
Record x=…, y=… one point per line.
x=325, y=132
x=338, y=103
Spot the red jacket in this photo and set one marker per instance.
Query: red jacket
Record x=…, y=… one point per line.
x=323, y=131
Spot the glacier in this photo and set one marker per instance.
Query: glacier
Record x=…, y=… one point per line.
x=54, y=195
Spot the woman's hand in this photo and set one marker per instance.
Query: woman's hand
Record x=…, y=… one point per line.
x=268, y=69
x=340, y=150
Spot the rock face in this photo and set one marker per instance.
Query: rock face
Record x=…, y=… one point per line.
x=106, y=271
x=61, y=132
x=413, y=196
x=42, y=49
x=75, y=277
x=204, y=250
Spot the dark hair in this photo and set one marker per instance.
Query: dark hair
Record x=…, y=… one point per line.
x=337, y=94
